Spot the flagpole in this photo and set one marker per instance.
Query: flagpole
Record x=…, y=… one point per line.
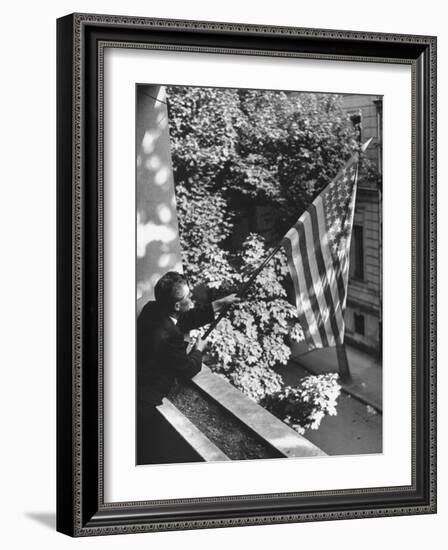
x=255, y=274
x=343, y=366
x=245, y=287
x=341, y=350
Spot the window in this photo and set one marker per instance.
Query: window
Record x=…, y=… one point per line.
x=359, y=323
x=357, y=253
x=356, y=121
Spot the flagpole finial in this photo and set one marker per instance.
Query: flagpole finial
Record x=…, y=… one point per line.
x=366, y=144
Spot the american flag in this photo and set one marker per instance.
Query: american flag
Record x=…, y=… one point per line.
x=318, y=251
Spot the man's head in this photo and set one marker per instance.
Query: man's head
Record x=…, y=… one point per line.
x=172, y=293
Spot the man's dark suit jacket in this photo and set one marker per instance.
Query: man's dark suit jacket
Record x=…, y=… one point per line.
x=161, y=357
x=161, y=350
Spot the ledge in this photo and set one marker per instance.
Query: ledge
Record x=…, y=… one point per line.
x=200, y=444
x=258, y=420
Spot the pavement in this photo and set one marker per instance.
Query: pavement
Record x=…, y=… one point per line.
x=366, y=372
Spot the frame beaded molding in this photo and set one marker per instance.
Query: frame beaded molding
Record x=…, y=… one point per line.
x=79, y=21
x=244, y=28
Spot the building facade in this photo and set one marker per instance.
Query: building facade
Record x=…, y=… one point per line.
x=363, y=315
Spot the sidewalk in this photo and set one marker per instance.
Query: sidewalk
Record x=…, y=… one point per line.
x=367, y=374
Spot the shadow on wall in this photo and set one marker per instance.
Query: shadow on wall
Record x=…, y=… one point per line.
x=158, y=248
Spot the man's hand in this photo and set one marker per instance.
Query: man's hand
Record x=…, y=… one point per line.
x=200, y=344
x=218, y=305
x=193, y=345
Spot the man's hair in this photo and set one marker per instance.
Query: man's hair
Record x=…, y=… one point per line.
x=170, y=289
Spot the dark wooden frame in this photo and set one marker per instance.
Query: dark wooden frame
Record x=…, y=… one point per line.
x=81, y=510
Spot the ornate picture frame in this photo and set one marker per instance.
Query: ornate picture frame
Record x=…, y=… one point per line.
x=81, y=506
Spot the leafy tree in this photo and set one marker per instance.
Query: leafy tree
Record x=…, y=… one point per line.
x=202, y=135
x=204, y=224
x=304, y=406
x=257, y=146
x=294, y=143
x=255, y=335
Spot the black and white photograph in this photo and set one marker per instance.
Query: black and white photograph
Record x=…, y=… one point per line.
x=258, y=274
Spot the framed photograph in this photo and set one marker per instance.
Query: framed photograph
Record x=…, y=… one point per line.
x=246, y=274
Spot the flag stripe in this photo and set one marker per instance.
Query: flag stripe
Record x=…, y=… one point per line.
x=292, y=268
x=303, y=297
x=309, y=283
x=339, y=280
x=324, y=275
x=337, y=270
x=319, y=279
x=326, y=262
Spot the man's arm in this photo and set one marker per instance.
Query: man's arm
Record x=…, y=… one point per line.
x=195, y=318
x=181, y=363
x=199, y=316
